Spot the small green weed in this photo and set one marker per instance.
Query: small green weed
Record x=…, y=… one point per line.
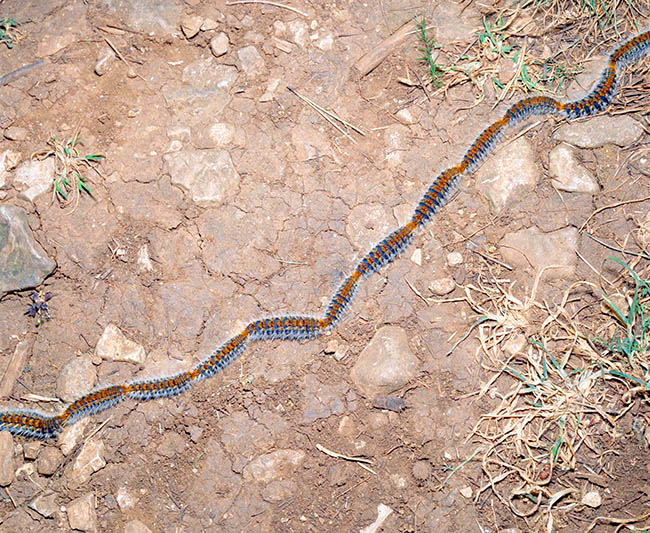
x=70, y=180
x=428, y=47
x=8, y=31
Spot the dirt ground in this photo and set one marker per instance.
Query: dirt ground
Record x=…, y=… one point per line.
x=239, y=452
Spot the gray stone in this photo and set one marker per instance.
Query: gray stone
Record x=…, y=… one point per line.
x=114, y=346
x=208, y=175
x=158, y=18
x=77, y=377
x=23, y=263
x=530, y=246
x=568, y=174
x=7, y=461
x=252, y=62
x=510, y=171
x=598, y=131
x=45, y=504
x=219, y=44
x=37, y=176
x=386, y=364
x=81, y=513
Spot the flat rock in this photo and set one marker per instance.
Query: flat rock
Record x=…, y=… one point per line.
x=598, y=131
x=273, y=466
x=252, y=63
x=386, y=364
x=49, y=460
x=90, y=460
x=159, y=18
x=36, y=177
x=45, y=504
x=208, y=175
x=16, y=133
x=71, y=436
x=510, y=172
x=114, y=346
x=77, y=377
x=568, y=174
x=81, y=513
x=135, y=526
x=7, y=461
x=23, y=263
x=530, y=246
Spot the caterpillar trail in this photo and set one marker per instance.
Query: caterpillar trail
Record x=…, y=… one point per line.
x=38, y=425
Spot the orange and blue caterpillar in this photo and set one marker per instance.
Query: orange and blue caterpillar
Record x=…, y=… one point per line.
x=37, y=425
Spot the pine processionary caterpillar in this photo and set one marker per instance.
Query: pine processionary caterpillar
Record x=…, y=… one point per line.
x=37, y=425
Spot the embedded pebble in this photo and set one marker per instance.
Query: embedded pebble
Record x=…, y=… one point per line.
x=135, y=526
x=598, y=131
x=508, y=173
x=114, y=346
x=592, y=499
x=568, y=174
x=422, y=470
x=45, y=504
x=31, y=449
x=105, y=60
x=298, y=32
x=7, y=461
x=219, y=44
x=81, y=513
x=454, y=258
x=252, y=63
x=532, y=247
x=16, y=133
x=77, y=377
x=37, y=176
x=416, y=256
x=386, y=364
x=442, y=286
x=275, y=465
x=125, y=498
x=191, y=25
x=49, y=460
x=90, y=460
x=466, y=492
x=324, y=43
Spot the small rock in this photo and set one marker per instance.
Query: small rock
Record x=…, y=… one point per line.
x=7, y=461
x=71, y=435
x=275, y=465
x=515, y=344
x=568, y=174
x=532, y=247
x=81, y=513
x=114, y=346
x=77, y=377
x=191, y=25
x=416, y=257
x=298, y=32
x=251, y=61
x=383, y=512
x=37, y=176
x=422, y=470
x=135, y=526
x=105, y=60
x=511, y=171
x=324, y=43
x=219, y=44
x=31, y=449
x=15, y=133
x=45, y=504
x=125, y=498
x=9, y=159
x=49, y=460
x=592, y=499
x=620, y=130
x=144, y=259
x=386, y=364
x=454, y=259
x=405, y=116
x=209, y=25
x=443, y=286
x=466, y=492
x=90, y=460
